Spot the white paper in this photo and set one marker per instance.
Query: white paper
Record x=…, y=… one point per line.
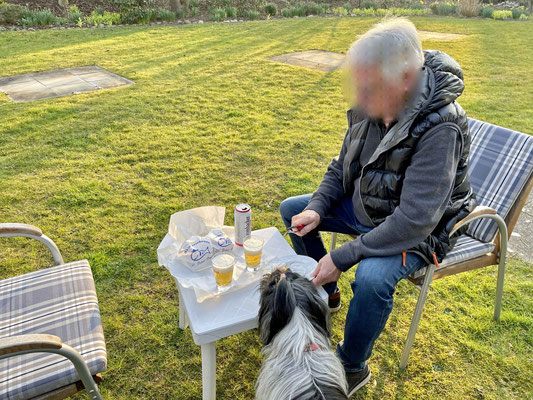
x=199, y=221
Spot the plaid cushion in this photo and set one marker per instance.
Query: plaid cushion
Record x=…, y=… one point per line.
x=60, y=301
x=501, y=161
x=466, y=248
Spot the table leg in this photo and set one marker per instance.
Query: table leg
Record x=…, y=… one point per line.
x=183, y=323
x=209, y=371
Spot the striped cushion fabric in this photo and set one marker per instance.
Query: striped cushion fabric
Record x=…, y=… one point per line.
x=501, y=161
x=466, y=248
x=60, y=301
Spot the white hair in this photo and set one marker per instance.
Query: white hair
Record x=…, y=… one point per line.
x=290, y=372
x=391, y=45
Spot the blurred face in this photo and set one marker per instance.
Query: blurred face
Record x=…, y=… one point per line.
x=377, y=96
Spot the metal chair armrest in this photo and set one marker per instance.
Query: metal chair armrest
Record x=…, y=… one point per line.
x=24, y=230
x=479, y=212
x=12, y=227
x=41, y=343
x=14, y=344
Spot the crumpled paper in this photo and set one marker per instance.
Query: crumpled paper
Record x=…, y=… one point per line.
x=199, y=222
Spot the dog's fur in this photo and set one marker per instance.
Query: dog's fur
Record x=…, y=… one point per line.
x=293, y=317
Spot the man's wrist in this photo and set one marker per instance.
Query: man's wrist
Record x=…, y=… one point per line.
x=342, y=258
x=314, y=206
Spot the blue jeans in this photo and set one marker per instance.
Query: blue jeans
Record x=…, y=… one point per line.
x=374, y=285
x=341, y=219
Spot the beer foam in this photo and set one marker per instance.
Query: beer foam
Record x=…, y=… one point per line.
x=223, y=262
x=253, y=246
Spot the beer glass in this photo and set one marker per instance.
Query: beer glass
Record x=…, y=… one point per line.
x=253, y=248
x=223, y=264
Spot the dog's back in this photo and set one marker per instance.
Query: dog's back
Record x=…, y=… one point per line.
x=294, y=326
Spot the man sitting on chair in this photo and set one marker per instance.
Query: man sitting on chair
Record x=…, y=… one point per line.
x=400, y=182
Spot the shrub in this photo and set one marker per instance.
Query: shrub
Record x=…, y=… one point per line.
x=217, y=14
x=305, y=8
x=312, y=8
x=136, y=15
x=271, y=9
x=74, y=13
x=381, y=12
x=340, y=11
x=368, y=4
x=193, y=12
x=523, y=16
x=486, y=12
x=166, y=15
x=37, y=18
x=193, y=3
x=135, y=11
x=11, y=13
x=348, y=6
x=444, y=9
x=469, y=8
x=502, y=14
x=231, y=12
x=518, y=12
x=153, y=14
x=416, y=6
x=253, y=15
x=99, y=10
x=131, y=4
x=107, y=18
x=62, y=21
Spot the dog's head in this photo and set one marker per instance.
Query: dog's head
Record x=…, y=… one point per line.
x=282, y=291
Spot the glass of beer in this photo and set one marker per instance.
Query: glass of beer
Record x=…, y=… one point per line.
x=253, y=248
x=223, y=264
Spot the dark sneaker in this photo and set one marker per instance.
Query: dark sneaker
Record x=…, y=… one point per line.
x=334, y=301
x=356, y=380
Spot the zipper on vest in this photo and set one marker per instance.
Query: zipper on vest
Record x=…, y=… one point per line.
x=361, y=199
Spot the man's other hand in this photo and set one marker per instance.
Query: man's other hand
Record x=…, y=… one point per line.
x=325, y=271
x=309, y=218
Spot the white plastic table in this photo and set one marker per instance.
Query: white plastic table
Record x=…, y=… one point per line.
x=226, y=315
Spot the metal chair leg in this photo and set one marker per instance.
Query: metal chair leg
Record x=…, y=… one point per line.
x=418, y=313
x=501, y=271
x=333, y=241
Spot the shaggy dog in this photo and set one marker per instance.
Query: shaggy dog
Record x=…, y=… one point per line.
x=294, y=327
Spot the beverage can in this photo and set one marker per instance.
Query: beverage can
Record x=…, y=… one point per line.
x=243, y=223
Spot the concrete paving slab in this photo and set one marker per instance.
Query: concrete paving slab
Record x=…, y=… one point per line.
x=60, y=82
x=439, y=36
x=326, y=61
x=314, y=59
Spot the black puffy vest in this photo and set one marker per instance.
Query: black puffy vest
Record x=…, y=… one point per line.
x=382, y=177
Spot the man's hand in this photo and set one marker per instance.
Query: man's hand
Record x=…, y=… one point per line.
x=309, y=218
x=325, y=271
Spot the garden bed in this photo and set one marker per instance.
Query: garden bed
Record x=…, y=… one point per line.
x=45, y=14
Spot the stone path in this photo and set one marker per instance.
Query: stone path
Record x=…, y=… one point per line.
x=59, y=82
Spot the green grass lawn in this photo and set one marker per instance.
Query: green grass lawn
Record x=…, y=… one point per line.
x=210, y=121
